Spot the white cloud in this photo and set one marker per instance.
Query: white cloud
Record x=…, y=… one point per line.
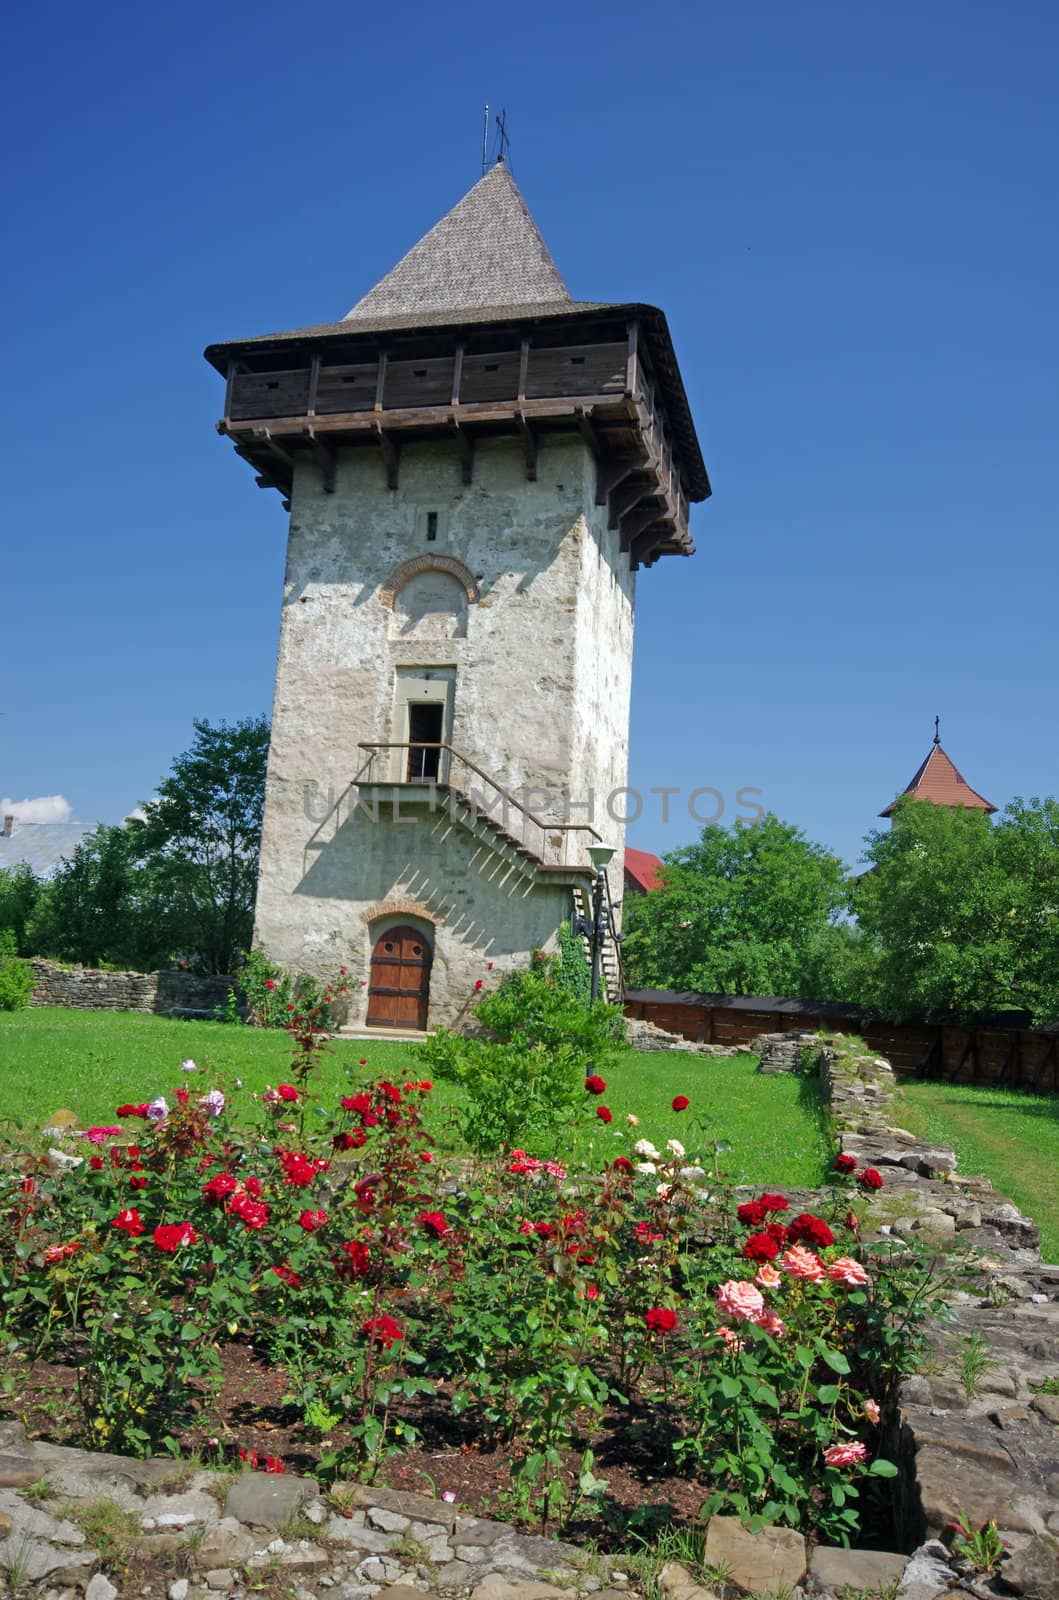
x=137, y=814
x=45, y=808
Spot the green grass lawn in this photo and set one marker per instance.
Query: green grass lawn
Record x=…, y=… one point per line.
x=1006, y=1135
x=90, y=1061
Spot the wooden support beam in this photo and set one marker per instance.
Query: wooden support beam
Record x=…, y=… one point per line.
x=1010, y=1057
x=632, y=382
x=380, y=380
x=523, y=369
x=465, y=447
x=391, y=454
x=314, y=380
x=641, y=548
x=633, y=523
x=263, y=436
x=968, y=1049
x=529, y=446
x=624, y=498
x=612, y=471
x=588, y=433
x=457, y=379
x=327, y=457
x=229, y=386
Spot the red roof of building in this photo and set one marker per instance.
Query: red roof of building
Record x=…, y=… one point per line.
x=938, y=780
x=643, y=869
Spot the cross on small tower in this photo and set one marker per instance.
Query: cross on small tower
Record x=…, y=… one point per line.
x=501, y=123
x=937, y=730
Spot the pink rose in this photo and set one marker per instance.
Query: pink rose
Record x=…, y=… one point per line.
x=740, y=1301
x=732, y=1340
x=846, y=1455
x=871, y=1411
x=771, y=1323
x=802, y=1263
x=767, y=1277
x=847, y=1271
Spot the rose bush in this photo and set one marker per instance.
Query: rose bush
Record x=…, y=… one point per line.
x=761, y=1348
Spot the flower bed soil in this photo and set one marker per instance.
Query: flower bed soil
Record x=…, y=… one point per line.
x=452, y=1457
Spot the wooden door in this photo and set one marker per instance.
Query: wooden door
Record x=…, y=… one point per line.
x=399, y=992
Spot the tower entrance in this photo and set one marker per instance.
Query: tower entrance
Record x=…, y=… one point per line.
x=399, y=990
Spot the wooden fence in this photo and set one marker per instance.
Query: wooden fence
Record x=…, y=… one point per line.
x=1005, y=1051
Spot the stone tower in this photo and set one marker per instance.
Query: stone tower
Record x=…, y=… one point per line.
x=476, y=466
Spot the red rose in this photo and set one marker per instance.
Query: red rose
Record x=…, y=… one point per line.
x=129, y=1222
x=382, y=1330
x=870, y=1179
x=777, y=1231
x=253, y=1188
x=284, y=1273
x=219, y=1188
x=182, y=1097
x=434, y=1222
x=623, y=1164
x=132, y=1111
x=844, y=1163
x=252, y=1214
x=774, y=1202
x=171, y=1236
x=661, y=1320
x=288, y=1092
x=273, y=1464
x=424, y=1155
x=604, y=1113
x=250, y=1457
x=96, y=1164
x=761, y=1247
x=810, y=1230
x=391, y=1091
x=681, y=1102
x=359, y=1258
x=595, y=1084
x=268, y=985
x=752, y=1213
x=313, y=1221
x=477, y=983
x=137, y=1182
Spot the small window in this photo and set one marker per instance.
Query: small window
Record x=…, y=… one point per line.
x=419, y=372
x=491, y=366
x=389, y=948
x=432, y=526
x=273, y=385
x=349, y=380
x=577, y=361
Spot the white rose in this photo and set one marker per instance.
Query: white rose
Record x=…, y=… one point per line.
x=644, y=1147
x=648, y=1168
x=675, y=1147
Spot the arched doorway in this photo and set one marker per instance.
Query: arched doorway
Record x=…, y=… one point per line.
x=399, y=991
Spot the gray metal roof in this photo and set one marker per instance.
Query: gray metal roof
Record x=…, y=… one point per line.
x=42, y=846
x=485, y=252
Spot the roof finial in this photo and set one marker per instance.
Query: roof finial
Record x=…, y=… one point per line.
x=504, y=141
x=485, y=138
x=937, y=730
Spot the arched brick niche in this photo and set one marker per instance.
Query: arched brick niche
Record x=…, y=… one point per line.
x=417, y=564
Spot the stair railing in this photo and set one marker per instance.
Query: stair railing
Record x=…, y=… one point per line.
x=556, y=839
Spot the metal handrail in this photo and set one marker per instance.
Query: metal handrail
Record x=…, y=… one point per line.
x=509, y=799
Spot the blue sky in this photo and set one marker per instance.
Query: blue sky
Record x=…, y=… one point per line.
x=848, y=214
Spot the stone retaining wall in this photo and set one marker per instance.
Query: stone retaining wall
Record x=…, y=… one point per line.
x=983, y=1445
x=161, y=993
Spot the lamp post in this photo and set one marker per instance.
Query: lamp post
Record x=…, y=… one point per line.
x=597, y=928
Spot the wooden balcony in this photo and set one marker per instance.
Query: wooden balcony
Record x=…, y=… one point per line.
x=283, y=406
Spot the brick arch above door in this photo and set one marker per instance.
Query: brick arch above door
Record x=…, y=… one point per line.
x=400, y=908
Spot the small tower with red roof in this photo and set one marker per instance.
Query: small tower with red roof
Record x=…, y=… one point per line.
x=939, y=780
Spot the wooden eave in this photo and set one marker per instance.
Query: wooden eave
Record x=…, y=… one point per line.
x=284, y=402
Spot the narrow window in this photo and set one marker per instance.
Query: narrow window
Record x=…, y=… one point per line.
x=425, y=723
x=432, y=526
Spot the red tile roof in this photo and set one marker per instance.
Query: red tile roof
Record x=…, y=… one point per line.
x=642, y=869
x=938, y=780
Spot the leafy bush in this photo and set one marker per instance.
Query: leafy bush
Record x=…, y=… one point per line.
x=758, y=1351
x=527, y=1080
x=16, y=976
x=270, y=995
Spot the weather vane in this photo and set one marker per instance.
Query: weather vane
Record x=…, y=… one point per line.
x=504, y=141
x=937, y=730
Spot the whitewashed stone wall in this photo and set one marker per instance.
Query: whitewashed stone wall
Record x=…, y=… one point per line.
x=541, y=655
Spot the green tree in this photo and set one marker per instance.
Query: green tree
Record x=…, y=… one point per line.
x=104, y=907
x=751, y=909
x=961, y=918
x=20, y=889
x=202, y=837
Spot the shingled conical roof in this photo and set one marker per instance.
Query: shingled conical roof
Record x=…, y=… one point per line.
x=939, y=780
x=485, y=252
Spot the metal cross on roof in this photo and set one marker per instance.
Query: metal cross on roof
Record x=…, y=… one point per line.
x=937, y=730
x=501, y=123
